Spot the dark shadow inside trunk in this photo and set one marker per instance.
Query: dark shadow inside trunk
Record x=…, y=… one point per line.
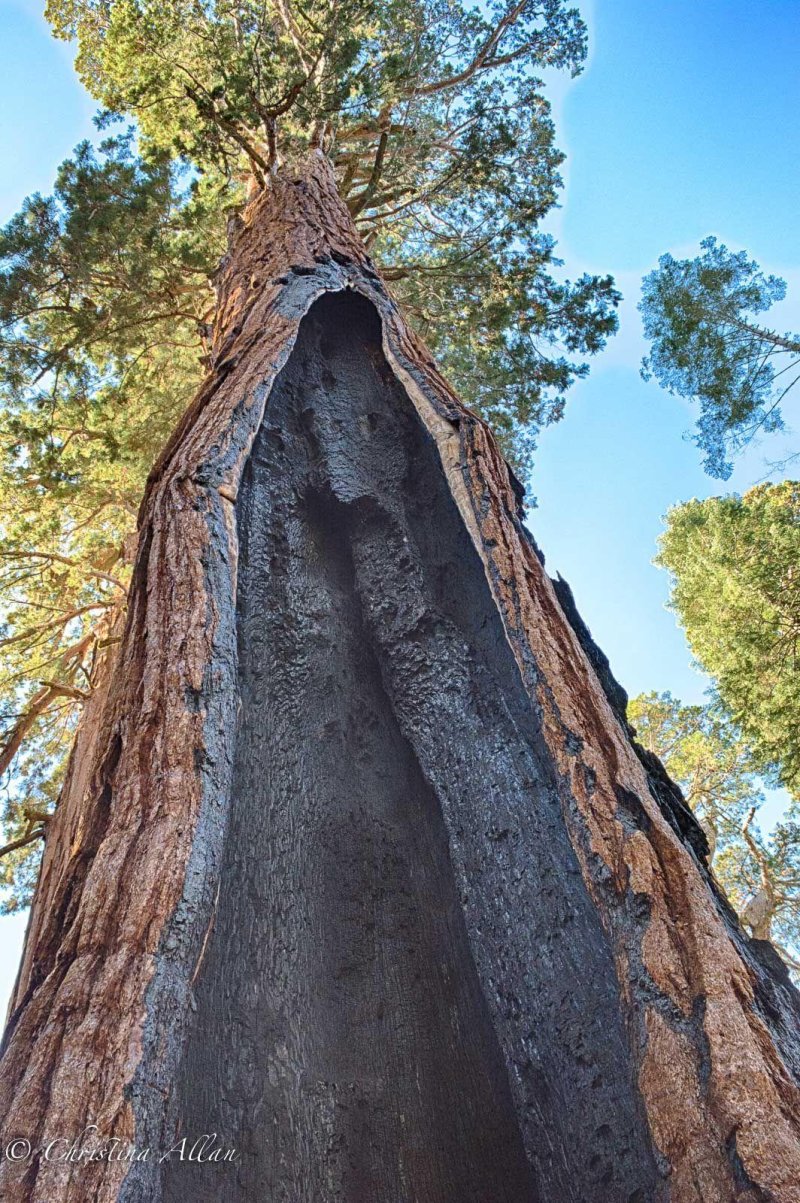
x=407, y=995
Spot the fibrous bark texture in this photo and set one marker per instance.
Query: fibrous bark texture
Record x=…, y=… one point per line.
x=357, y=864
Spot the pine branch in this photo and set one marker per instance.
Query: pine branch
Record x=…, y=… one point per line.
x=23, y=841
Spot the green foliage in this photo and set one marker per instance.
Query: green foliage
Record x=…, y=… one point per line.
x=713, y=764
x=699, y=316
x=432, y=114
x=103, y=302
x=735, y=563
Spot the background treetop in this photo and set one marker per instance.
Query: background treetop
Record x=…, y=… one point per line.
x=706, y=344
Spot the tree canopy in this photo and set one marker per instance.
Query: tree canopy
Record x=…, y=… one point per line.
x=706, y=345
x=735, y=563
x=714, y=766
x=434, y=117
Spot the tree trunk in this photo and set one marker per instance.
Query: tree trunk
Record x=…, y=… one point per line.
x=357, y=865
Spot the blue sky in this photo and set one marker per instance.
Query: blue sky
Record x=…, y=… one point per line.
x=683, y=124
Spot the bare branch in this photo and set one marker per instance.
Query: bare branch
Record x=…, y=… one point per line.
x=483, y=60
x=61, y=689
x=61, y=621
x=23, y=841
x=362, y=200
x=39, y=703
x=59, y=559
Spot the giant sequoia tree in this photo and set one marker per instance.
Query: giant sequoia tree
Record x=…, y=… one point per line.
x=355, y=861
x=434, y=124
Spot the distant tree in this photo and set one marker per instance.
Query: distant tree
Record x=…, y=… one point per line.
x=706, y=345
x=735, y=563
x=762, y=879
x=714, y=767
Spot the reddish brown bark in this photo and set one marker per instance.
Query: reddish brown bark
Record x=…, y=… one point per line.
x=130, y=869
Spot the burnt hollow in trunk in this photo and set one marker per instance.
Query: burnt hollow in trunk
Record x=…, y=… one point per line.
x=407, y=995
